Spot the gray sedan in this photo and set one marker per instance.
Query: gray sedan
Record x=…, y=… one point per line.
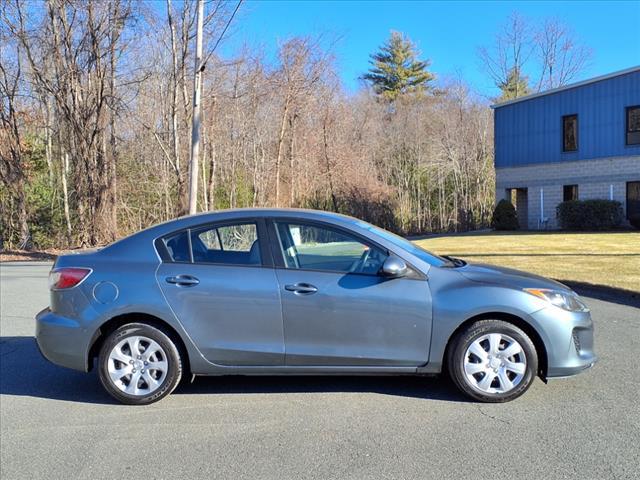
x=302, y=292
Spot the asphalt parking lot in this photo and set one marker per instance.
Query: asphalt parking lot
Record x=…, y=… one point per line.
x=58, y=423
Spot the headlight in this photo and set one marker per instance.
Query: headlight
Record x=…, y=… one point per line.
x=566, y=300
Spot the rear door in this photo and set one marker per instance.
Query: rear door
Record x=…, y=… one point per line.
x=337, y=310
x=220, y=282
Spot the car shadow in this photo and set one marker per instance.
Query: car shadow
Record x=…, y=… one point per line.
x=604, y=293
x=24, y=372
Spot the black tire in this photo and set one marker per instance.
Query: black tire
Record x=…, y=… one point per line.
x=174, y=363
x=462, y=341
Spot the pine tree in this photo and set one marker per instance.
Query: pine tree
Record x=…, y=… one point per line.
x=396, y=69
x=516, y=85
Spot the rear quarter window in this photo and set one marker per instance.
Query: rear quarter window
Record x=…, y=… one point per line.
x=178, y=247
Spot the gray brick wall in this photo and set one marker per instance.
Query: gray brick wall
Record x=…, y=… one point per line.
x=594, y=178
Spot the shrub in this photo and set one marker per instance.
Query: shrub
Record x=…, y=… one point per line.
x=504, y=216
x=635, y=220
x=589, y=214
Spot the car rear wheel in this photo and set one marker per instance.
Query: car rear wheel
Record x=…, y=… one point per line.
x=139, y=364
x=493, y=361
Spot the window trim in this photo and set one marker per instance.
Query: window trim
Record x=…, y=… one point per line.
x=626, y=126
x=564, y=150
x=266, y=258
x=279, y=263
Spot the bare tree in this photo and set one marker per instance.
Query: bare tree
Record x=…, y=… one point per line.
x=302, y=64
x=550, y=54
x=510, y=53
x=103, y=96
x=12, y=161
x=81, y=39
x=561, y=57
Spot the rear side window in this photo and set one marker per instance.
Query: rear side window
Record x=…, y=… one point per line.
x=229, y=244
x=178, y=247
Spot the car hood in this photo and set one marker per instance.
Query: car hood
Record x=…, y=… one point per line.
x=509, y=277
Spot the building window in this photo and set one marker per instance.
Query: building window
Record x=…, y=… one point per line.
x=633, y=203
x=633, y=125
x=570, y=133
x=570, y=192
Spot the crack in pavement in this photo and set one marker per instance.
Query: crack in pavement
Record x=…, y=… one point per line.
x=491, y=416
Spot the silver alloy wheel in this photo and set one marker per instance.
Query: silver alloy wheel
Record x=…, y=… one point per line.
x=495, y=363
x=137, y=365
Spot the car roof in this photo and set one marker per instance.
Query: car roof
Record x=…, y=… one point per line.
x=188, y=221
x=270, y=212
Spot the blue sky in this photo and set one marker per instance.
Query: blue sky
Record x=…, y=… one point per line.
x=448, y=33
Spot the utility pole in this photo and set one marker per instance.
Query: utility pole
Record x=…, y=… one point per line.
x=195, y=125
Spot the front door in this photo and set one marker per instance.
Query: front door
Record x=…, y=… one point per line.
x=337, y=310
x=225, y=294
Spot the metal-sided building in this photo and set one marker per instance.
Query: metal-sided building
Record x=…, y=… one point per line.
x=577, y=142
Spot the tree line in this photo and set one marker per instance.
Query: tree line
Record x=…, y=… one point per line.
x=96, y=126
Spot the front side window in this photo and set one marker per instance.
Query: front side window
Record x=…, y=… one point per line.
x=570, y=192
x=228, y=244
x=570, y=133
x=633, y=125
x=311, y=247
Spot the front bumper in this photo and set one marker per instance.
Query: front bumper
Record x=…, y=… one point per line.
x=568, y=337
x=62, y=340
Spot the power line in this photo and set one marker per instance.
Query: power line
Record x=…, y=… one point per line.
x=222, y=34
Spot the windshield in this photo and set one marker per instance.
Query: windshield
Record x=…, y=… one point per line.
x=407, y=245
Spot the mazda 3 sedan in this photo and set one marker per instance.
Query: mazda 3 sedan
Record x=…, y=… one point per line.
x=302, y=292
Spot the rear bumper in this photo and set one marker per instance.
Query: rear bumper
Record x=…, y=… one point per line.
x=569, y=341
x=62, y=340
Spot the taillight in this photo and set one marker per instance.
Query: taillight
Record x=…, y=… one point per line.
x=67, y=277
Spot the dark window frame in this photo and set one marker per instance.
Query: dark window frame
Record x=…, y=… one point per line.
x=573, y=188
x=564, y=118
x=628, y=132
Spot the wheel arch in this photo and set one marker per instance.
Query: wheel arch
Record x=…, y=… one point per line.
x=136, y=317
x=519, y=322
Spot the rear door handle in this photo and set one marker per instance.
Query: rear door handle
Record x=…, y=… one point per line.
x=183, y=280
x=301, y=288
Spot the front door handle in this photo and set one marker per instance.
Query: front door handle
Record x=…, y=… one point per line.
x=183, y=280
x=301, y=288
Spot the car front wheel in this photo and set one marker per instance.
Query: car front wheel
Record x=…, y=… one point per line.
x=493, y=361
x=139, y=364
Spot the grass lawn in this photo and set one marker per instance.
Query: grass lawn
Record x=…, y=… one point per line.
x=609, y=259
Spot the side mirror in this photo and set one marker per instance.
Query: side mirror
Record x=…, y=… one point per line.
x=394, y=267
